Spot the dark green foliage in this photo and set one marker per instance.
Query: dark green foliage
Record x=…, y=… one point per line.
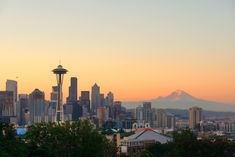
x=69, y=139
x=10, y=145
x=185, y=144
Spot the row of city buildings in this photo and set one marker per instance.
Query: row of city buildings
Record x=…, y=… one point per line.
x=102, y=110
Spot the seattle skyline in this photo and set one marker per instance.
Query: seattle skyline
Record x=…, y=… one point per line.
x=137, y=50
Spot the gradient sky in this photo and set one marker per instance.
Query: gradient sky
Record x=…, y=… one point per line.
x=139, y=49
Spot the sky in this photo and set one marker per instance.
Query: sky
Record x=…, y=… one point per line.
x=137, y=49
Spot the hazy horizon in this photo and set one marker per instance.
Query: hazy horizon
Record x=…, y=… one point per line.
x=137, y=49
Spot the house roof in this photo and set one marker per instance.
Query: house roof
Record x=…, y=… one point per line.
x=149, y=134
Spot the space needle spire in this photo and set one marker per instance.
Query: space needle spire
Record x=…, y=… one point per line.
x=59, y=72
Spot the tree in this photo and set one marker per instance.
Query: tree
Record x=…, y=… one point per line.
x=185, y=144
x=69, y=139
x=10, y=144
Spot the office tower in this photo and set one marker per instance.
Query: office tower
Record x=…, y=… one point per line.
x=162, y=120
x=170, y=121
x=60, y=72
x=54, y=93
x=195, y=116
x=73, y=90
x=147, y=112
x=161, y=116
x=6, y=106
x=77, y=111
x=68, y=111
x=53, y=104
x=85, y=102
x=24, y=109
x=37, y=106
x=117, y=110
x=95, y=97
x=110, y=99
x=11, y=85
x=101, y=115
x=102, y=100
x=109, y=103
x=139, y=114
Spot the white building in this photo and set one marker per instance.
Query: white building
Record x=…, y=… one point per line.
x=138, y=142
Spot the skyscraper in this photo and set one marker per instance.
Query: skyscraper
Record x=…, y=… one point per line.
x=110, y=99
x=73, y=90
x=95, y=97
x=147, y=112
x=109, y=102
x=102, y=100
x=24, y=108
x=37, y=106
x=52, y=104
x=161, y=118
x=54, y=94
x=195, y=116
x=11, y=85
x=139, y=114
x=85, y=102
x=101, y=115
x=6, y=106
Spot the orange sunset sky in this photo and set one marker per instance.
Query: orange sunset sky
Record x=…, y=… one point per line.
x=137, y=49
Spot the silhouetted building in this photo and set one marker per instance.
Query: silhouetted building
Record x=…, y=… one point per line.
x=95, y=97
x=195, y=117
x=147, y=112
x=11, y=85
x=101, y=115
x=109, y=102
x=85, y=102
x=52, y=104
x=7, y=112
x=139, y=114
x=24, y=109
x=37, y=105
x=54, y=93
x=73, y=90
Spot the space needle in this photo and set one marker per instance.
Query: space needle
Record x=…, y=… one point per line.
x=59, y=72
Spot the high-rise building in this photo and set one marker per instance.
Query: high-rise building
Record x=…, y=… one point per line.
x=162, y=120
x=109, y=103
x=95, y=97
x=139, y=114
x=102, y=100
x=11, y=85
x=147, y=112
x=170, y=121
x=52, y=105
x=6, y=106
x=195, y=117
x=101, y=115
x=54, y=94
x=85, y=102
x=117, y=110
x=37, y=105
x=109, y=99
x=161, y=115
x=73, y=90
x=24, y=109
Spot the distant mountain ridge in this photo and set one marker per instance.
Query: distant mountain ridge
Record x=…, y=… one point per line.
x=180, y=99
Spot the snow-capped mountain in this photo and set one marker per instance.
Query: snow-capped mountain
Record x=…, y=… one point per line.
x=179, y=99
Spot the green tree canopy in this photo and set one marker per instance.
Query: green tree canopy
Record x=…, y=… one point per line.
x=69, y=139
